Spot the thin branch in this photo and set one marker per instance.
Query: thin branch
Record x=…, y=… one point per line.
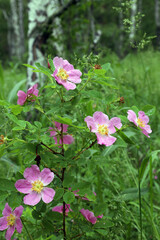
x=51, y=150
x=84, y=149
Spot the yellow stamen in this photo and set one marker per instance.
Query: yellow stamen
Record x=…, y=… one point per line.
x=11, y=220
x=103, y=130
x=140, y=122
x=37, y=186
x=62, y=74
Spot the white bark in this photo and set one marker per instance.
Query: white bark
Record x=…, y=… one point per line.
x=21, y=27
x=133, y=20
x=15, y=39
x=39, y=12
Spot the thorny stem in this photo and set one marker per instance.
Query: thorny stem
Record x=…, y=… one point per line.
x=84, y=149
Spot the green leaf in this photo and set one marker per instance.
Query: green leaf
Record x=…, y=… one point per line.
x=51, y=64
x=68, y=197
x=29, y=66
x=38, y=124
x=149, y=109
x=59, y=193
x=143, y=166
x=15, y=199
x=39, y=108
x=102, y=231
x=6, y=184
x=16, y=109
x=67, y=121
x=125, y=138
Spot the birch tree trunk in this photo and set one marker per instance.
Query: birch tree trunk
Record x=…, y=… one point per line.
x=15, y=36
x=21, y=28
x=38, y=13
x=133, y=20
x=94, y=34
x=157, y=21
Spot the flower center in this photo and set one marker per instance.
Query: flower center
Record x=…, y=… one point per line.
x=11, y=220
x=140, y=122
x=37, y=186
x=103, y=130
x=62, y=74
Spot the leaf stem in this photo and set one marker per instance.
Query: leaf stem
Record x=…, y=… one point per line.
x=30, y=237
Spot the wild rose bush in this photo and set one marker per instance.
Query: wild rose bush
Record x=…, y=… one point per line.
x=58, y=132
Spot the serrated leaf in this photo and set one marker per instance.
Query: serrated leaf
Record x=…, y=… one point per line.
x=69, y=197
x=51, y=64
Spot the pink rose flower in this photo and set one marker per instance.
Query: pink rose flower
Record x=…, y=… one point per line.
x=56, y=134
x=23, y=97
x=34, y=185
x=90, y=215
x=65, y=74
x=103, y=127
x=60, y=209
x=11, y=220
x=140, y=122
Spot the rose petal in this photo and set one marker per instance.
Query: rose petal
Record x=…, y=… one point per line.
x=32, y=173
x=47, y=194
x=68, y=85
x=58, y=209
x=10, y=232
x=88, y=215
x=7, y=210
x=143, y=117
x=58, y=62
x=46, y=176
x=100, y=118
x=18, y=211
x=132, y=117
x=114, y=122
x=91, y=124
x=23, y=186
x=19, y=225
x=58, y=125
x=68, y=139
x=22, y=96
x=106, y=140
x=3, y=223
x=32, y=198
